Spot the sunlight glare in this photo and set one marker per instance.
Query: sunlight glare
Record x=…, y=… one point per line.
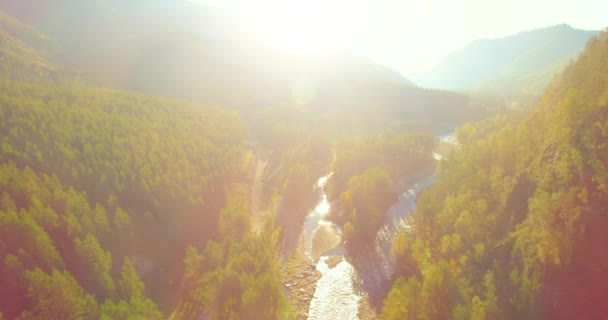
x=388, y=32
x=309, y=27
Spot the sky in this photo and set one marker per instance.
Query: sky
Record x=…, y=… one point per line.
x=409, y=36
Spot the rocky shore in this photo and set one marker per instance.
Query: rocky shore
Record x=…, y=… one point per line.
x=300, y=277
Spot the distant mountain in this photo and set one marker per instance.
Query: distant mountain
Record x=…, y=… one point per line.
x=190, y=51
x=521, y=63
x=518, y=213
x=22, y=51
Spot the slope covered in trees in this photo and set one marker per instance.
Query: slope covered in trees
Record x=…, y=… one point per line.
x=519, y=64
x=513, y=226
x=23, y=52
x=190, y=51
x=148, y=154
x=53, y=265
x=130, y=181
x=96, y=180
x=365, y=173
x=105, y=193
x=237, y=278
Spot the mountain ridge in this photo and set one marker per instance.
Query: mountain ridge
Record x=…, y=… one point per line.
x=510, y=228
x=217, y=64
x=500, y=64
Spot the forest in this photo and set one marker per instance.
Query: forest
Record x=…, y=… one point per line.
x=512, y=227
x=364, y=172
x=96, y=177
x=128, y=166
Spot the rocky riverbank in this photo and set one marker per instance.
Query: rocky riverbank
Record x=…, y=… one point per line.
x=300, y=278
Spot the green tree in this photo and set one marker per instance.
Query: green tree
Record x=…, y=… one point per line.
x=130, y=285
x=57, y=296
x=235, y=219
x=97, y=264
x=401, y=302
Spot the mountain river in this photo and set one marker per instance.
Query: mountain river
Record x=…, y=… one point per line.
x=341, y=287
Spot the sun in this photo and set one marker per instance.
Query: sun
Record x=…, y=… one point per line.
x=308, y=27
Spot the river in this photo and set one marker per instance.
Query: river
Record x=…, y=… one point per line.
x=342, y=286
x=335, y=295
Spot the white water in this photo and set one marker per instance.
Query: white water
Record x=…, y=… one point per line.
x=378, y=267
x=449, y=137
x=315, y=219
x=335, y=295
x=337, y=292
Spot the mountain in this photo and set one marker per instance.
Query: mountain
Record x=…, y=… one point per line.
x=521, y=63
x=102, y=191
x=22, y=51
x=122, y=205
x=189, y=51
x=511, y=227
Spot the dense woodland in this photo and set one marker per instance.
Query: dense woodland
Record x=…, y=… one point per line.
x=236, y=279
x=99, y=177
x=54, y=265
x=125, y=205
x=365, y=172
x=513, y=227
x=23, y=52
x=108, y=196
x=190, y=51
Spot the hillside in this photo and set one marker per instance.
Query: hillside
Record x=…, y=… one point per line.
x=132, y=134
x=522, y=63
x=123, y=205
x=96, y=184
x=511, y=228
x=186, y=51
x=23, y=52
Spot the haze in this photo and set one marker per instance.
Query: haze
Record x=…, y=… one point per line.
x=303, y=160
x=409, y=36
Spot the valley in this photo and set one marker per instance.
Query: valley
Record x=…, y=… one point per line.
x=158, y=161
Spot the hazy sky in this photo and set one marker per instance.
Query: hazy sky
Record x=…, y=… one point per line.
x=410, y=36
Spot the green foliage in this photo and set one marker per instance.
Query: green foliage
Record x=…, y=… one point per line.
x=386, y=150
x=57, y=296
x=129, y=284
x=401, y=301
x=138, y=307
x=134, y=304
x=95, y=265
x=237, y=279
x=364, y=172
x=298, y=183
x=235, y=219
x=126, y=146
x=364, y=204
x=512, y=207
x=91, y=175
x=53, y=260
x=471, y=132
x=23, y=52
